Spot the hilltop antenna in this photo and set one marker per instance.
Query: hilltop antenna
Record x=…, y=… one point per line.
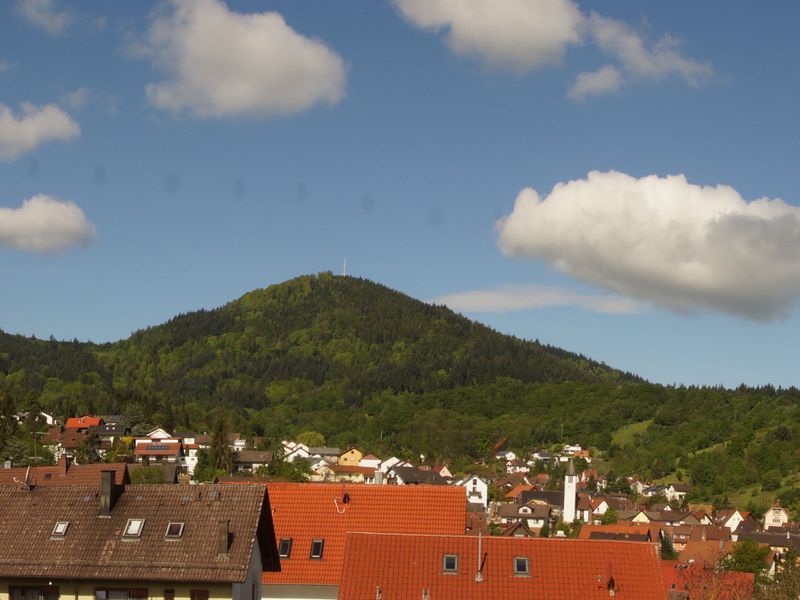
x=344, y=268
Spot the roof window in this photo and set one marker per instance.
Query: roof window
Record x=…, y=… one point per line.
x=133, y=528
x=317, y=546
x=450, y=563
x=174, y=531
x=521, y=566
x=60, y=530
x=285, y=548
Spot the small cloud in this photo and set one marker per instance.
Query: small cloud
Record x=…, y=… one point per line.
x=665, y=241
x=35, y=126
x=81, y=97
x=636, y=59
x=603, y=81
x=517, y=35
x=45, y=14
x=44, y=224
x=512, y=298
x=263, y=69
x=4, y=66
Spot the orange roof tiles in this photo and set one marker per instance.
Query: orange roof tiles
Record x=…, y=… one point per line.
x=618, y=529
x=517, y=490
x=402, y=566
x=307, y=511
x=82, y=422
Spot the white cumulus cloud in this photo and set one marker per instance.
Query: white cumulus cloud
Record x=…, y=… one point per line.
x=664, y=240
x=45, y=14
x=35, y=125
x=518, y=35
x=222, y=64
x=605, y=80
x=510, y=298
x=44, y=224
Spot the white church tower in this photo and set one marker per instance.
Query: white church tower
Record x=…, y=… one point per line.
x=570, y=493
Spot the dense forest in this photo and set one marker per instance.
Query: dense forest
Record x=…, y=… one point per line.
x=363, y=364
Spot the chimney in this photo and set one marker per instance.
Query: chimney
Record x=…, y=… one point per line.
x=378, y=477
x=63, y=465
x=108, y=493
x=223, y=533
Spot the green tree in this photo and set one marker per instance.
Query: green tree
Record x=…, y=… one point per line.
x=610, y=517
x=221, y=456
x=747, y=556
x=667, y=549
x=312, y=439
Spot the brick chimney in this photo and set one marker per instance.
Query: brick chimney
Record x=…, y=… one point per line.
x=63, y=465
x=223, y=535
x=109, y=492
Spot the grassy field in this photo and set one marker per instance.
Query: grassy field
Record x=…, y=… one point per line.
x=625, y=436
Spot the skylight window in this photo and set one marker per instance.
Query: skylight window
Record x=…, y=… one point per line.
x=521, y=566
x=450, y=563
x=317, y=547
x=133, y=529
x=60, y=530
x=285, y=548
x=174, y=531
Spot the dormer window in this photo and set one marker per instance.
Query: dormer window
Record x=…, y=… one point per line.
x=521, y=566
x=450, y=563
x=133, y=528
x=174, y=531
x=60, y=530
x=285, y=547
x=317, y=546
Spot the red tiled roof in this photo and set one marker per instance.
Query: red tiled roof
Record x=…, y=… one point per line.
x=618, y=529
x=82, y=422
x=402, y=566
x=306, y=511
x=517, y=490
x=716, y=583
x=55, y=475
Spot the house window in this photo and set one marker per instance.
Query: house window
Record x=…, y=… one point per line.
x=198, y=595
x=120, y=594
x=450, y=563
x=174, y=531
x=285, y=548
x=521, y=566
x=44, y=592
x=169, y=594
x=60, y=530
x=316, y=548
x=133, y=528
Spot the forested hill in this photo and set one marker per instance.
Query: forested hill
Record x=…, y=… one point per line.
x=349, y=336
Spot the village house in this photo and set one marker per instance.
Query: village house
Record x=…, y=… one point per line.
x=312, y=522
x=491, y=568
x=123, y=542
x=477, y=490
x=776, y=516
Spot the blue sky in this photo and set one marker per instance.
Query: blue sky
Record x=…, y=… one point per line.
x=583, y=173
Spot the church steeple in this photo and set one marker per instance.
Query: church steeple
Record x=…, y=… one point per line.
x=570, y=493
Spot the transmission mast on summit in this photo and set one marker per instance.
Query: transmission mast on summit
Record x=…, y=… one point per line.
x=344, y=268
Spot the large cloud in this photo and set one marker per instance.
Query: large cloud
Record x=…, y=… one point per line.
x=35, y=126
x=45, y=14
x=520, y=35
x=509, y=298
x=44, y=224
x=223, y=63
x=663, y=240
